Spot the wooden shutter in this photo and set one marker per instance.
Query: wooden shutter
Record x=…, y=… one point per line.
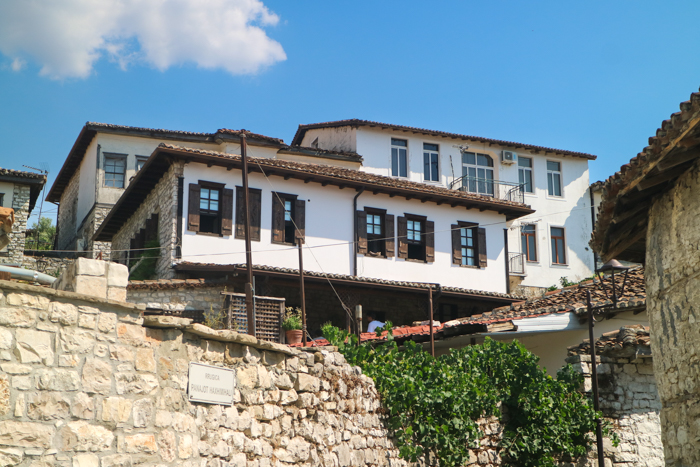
x=389, y=234
x=240, y=204
x=456, y=244
x=300, y=218
x=429, y=241
x=361, y=234
x=277, y=219
x=481, y=244
x=193, y=208
x=227, y=211
x=402, y=233
x=254, y=210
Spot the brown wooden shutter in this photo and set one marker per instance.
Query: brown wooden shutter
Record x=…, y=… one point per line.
x=277, y=219
x=300, y=217
x=456, y=244
x=227, y=211
x=193, y=208
x=240, y=204
x=402, y=233
x=481, y=243
x=389, y=234
x=361, y=234
x=255, y=210
x=429, y=241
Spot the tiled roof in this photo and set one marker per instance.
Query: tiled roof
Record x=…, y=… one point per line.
x=164, y=284
x=22, y=174
x=623, y=342
x=350, y=176
x=299, y=136
x=304, y=151
x=251, y=135
x=627, y=194
x=186, y=265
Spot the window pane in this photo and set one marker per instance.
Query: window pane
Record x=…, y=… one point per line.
x=398, y=142
x=426, y=166
x=532, y=250
x=483, y=159
x=434, y=161
x=524, y=162
x=214, y=194
x=554, y=166
x=213, y=205
x=430, y=147
x=557, y=184
x=469, y=158
x=550, y=186
x=557, y=232
x=394, y=162
x=402, y=163
x=528, y=181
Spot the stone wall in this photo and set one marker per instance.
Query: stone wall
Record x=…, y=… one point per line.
x=178, y=296
x=87, y=383
x=88, y=228
x=162, y=200
x=102, y=279
x=67, y=222
x=630, y=401
x=673, y=290
x=20, y=203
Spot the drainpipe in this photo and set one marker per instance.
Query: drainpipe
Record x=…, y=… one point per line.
x=28, y=275
x=354, y=223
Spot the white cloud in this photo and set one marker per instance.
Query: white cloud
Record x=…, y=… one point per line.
x=67, y=37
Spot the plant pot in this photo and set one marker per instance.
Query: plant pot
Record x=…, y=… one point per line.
x=294, y=336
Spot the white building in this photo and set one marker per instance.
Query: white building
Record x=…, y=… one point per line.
x=543, y=246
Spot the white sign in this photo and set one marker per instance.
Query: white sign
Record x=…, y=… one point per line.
x=210, y=384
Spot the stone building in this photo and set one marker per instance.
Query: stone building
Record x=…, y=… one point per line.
x=18, y=190
x=649, y=213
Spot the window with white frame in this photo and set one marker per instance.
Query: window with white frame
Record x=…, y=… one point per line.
x=558, y=245
x=399, y=157
x=140, y=160
x=477, y=173
x=554, y=178
x=528, y=237
x=431, y=165
x=525, y=174
x=115, y=168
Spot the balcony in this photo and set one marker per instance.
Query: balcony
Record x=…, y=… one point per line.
x=516, y=264
x=497, y=189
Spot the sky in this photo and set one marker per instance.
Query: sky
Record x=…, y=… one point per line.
x=596, y=77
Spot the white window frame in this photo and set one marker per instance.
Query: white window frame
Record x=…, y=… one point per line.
x=430, y=153
x=141, y=159
x=551, y=249
x=478, y=180
x=561, y=179
x=398, y=158
x=531, y=171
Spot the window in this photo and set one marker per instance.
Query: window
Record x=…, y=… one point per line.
x=525, y=173
x=477, y=170
x=254, y=209
x=210, y=208
x=288, y=215
x=140, y=160
x=469, y=245
x=554, y=178
x=2, y=199
x=375, y=232
x=416, y=238
x=399, y=157
x=558, y=246
x=115, y=167
x=529, y=242
x=431, y=168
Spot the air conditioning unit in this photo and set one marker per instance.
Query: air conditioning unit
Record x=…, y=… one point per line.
x=509, y=157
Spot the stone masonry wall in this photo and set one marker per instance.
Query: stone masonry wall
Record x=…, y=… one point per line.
x=20, y=203
x=630, y=401
x=67, y=214
x=179, y=299
x=673, y=291
x=85, y=382
x=162, y=200
x=88, y=228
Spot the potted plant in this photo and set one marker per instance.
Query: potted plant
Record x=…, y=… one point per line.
x=292, y=325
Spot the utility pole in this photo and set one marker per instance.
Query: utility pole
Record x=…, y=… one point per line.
x=594, y=380
x=249, y=303
x=432, y=336
x=300, y=241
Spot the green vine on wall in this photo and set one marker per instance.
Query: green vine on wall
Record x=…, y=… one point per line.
x=432, y=404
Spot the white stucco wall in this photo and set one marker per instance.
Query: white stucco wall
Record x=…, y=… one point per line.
x=330, y=231
x=333, y=139
x=7, y=189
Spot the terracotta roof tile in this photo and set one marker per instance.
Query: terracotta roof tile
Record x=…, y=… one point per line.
x=621, y=343
x=22, y=174
x=299, y=136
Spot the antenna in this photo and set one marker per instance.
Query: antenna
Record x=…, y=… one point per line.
x=43, y=171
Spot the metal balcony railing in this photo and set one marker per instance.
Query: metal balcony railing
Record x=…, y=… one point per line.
x=516, y=263
x=497, y=189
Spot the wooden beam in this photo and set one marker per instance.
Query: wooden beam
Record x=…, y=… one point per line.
x=630, y=212
x=661, y=178
x=625, y=243
x=672, y=160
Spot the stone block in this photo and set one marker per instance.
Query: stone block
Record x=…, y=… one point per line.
x=167, y=445
x=23, y=383
x=48, y=406
x=116, y=409
x=34, y=347
x=82, y=436
x=86, y=460
x=140, y=443
x=4, y=395
x=143, y=412
x=16, y=369
x=133, y=383
x=117, y=460
x=63, y=313
x=83, y=406
x=97, y=376
x=117, y=275
x=28, y=301
x=145, y=360
x=89, y=267
x=91, y=285
x=74, y=340
x=87, y=321
x=26, y=434
x=117, y=294
x=57, y=380
x=17, y=317
x=10, y=457
x=5, y=338
x=306, y=383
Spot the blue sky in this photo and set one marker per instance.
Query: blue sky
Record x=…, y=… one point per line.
x=596, y=77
